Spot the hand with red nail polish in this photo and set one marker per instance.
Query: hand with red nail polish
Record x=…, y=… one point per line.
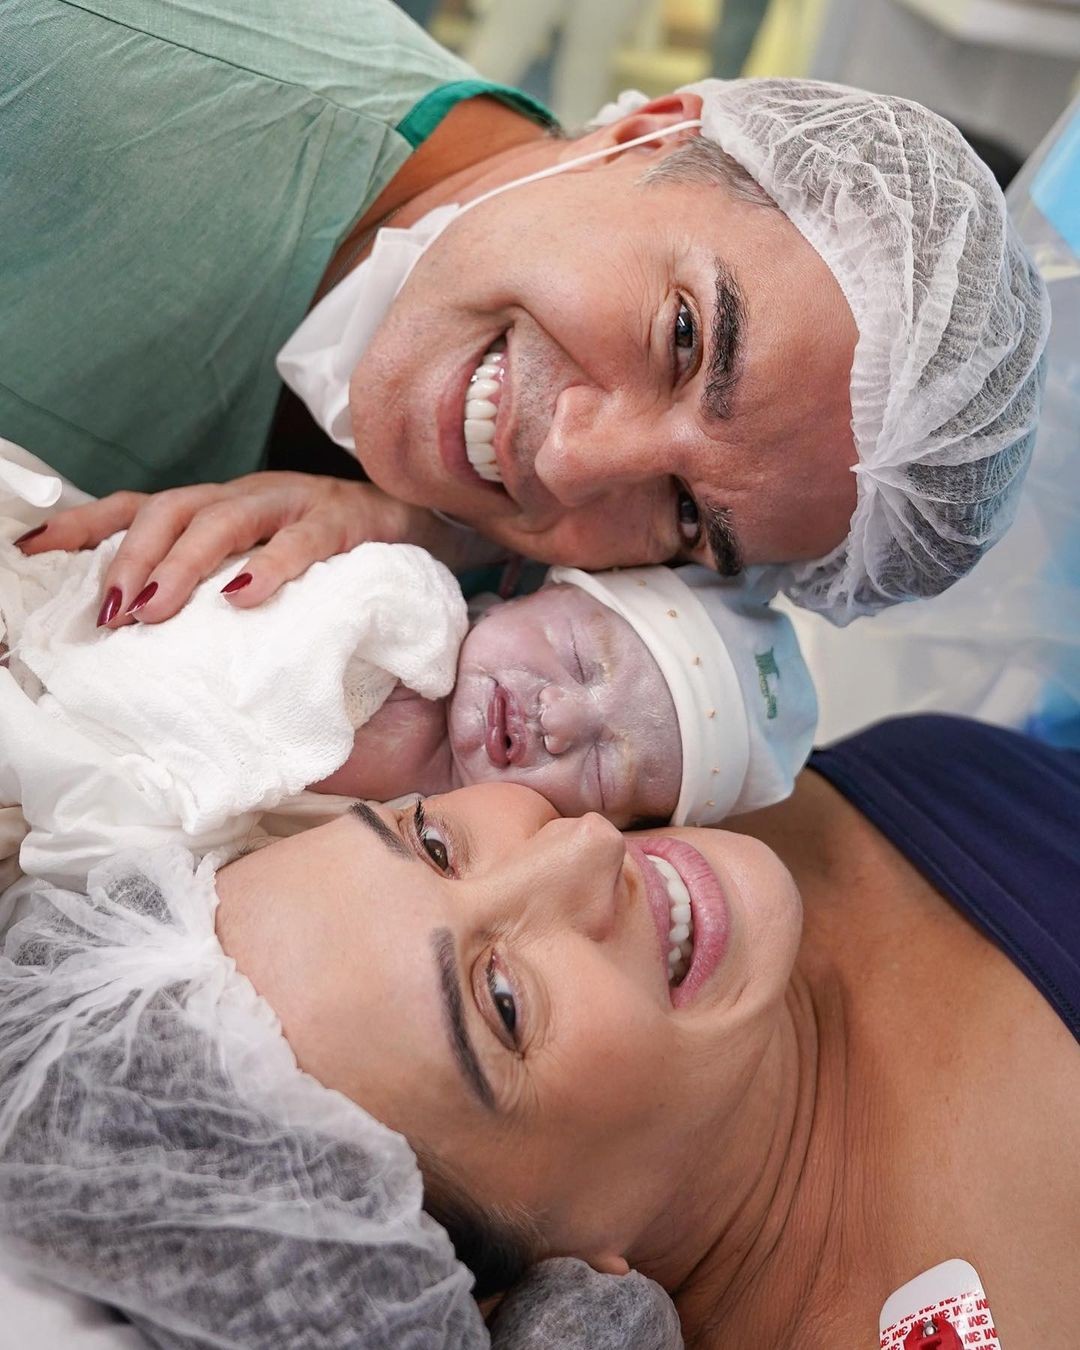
x=35, y=533
x=143, y=598
x=182, y=536
x=110, y=606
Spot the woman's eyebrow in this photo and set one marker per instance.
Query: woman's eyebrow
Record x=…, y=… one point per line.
x=368, y=816
x=442, y=945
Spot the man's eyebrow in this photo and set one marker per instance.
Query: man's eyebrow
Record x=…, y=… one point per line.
x=442, y=945
x=385, y=835
x=723, y=543
x=726, y=347
x=725, y=364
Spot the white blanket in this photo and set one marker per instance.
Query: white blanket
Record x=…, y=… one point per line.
x=186, y=731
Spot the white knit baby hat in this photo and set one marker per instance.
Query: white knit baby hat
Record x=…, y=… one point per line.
x=742, y=693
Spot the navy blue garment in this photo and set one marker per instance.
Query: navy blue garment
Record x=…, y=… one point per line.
x=992, y=819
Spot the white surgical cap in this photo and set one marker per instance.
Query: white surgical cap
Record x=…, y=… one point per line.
x=161, y=1151
x=952, y=318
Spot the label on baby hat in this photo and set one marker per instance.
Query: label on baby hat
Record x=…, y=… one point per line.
x=945, y=1308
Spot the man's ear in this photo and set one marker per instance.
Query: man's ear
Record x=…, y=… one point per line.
x=651, y=117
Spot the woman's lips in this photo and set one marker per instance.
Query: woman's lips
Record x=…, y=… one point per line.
x=657, y=898
x=708, y=904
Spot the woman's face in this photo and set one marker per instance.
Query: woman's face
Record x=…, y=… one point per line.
x=494, y=982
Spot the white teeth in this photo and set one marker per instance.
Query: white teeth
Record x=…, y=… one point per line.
x=480, y=413
x=681, y=932
x=479, y=431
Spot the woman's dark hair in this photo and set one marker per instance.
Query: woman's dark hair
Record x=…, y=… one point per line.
x=497, y=1245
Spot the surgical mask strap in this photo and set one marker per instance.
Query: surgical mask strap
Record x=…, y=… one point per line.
x=553, y=169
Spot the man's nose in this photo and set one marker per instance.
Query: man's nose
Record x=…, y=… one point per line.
x=596, y=441
x=567, y=718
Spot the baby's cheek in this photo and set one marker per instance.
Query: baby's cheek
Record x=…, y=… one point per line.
x=348, y=781
x=649, y=772
x=568, y=785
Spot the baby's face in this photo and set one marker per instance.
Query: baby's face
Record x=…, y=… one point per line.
x=558, y=692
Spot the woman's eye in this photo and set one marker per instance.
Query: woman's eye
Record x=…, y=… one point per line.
x=431, y=841
x=689, y=518
x=684, y=333
x=502, y=995
x=436, y=850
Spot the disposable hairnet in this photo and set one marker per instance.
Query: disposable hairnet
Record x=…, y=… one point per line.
x=161, y=1151
x=952, y=318
x=564, y=1303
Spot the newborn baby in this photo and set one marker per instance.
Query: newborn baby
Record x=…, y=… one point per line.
x=605, y=693
x=555, y=690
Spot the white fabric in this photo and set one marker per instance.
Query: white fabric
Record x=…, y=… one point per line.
x=743, y=696
x=186, y=731
x=952, y=318
x=44, y=1316
x=33, y=496
x=318, y=360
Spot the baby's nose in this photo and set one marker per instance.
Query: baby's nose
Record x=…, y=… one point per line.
x=566, y=718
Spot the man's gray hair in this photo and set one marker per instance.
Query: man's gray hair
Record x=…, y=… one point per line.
x=702, y=161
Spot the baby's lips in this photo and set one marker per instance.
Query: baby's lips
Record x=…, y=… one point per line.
x=496, y=740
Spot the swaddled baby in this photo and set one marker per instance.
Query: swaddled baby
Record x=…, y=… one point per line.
x=611, y=693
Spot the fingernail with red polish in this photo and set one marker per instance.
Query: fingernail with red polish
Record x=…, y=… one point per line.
x=143, y=598
x=237, y=584
x=110, y=606
x=31, y=534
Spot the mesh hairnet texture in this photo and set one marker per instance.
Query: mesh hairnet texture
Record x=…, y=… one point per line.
x=161, y=1151
x=952, y=318
x=564, y=1303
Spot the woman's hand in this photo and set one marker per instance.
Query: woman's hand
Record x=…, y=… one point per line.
x=177, y=538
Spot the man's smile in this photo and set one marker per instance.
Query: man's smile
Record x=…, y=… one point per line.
x=481, y=413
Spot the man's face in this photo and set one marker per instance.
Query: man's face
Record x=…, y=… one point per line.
x=671, y=355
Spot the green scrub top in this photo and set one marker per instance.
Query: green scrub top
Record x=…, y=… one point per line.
x=175, y=176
